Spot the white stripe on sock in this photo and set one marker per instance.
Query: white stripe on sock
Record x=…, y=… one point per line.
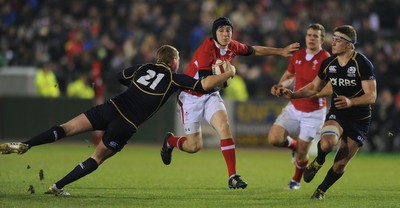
x=177, y=142
x=228, y=147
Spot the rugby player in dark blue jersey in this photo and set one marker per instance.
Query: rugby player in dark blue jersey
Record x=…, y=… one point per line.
x=149, y=87
x=354, y=90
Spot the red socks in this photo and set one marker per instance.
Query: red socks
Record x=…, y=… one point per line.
x=228, y=150
x=176, y=141
x=292, y=143
x=300, y=167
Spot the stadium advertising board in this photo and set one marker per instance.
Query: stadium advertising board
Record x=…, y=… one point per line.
x=253, y=119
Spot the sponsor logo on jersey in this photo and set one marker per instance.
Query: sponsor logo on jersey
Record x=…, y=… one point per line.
x=298, y=62
x=340, y=82
x=332, y=69
x=351, y=71
x=113, y=144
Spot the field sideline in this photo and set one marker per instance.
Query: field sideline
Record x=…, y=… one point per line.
x=136, y=177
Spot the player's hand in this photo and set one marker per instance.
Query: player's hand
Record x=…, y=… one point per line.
x=232, y=68
x=275, y=90
x=281, y=91
x=287, y=51
x=342, y=102
x=286, y=93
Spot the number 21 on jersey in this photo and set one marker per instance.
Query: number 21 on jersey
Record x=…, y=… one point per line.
x=146, y=79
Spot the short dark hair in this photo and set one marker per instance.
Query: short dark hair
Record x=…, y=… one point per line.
x=218, y=23
x=166, y=54
x=349, y=31
x=317, y=26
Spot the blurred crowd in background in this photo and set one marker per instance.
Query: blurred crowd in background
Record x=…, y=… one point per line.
x=77, y=39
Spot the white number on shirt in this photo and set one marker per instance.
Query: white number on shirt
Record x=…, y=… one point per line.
x=145, y=80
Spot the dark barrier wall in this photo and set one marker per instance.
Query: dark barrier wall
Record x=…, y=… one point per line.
x=253, y=119
x=23, y=117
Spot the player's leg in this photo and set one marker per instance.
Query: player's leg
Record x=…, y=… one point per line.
x=82, y=169
x=219, y=121
x=300, y=163
x=354, y=137
x=215, y=114
x=279, y=137
x=76, y=125
x=190, y=110
x=330, y=134
x=310, y=128
x=191, y=143
x=117, y=133
x=348, y=148
x=286, y=124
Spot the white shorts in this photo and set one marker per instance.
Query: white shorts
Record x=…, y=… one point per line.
x=302, y=125
x=192, y=109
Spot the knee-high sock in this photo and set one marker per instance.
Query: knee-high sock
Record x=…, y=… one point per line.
x=300, y=167
x=228, y=150
x=78, y=172
x=321, y=154
x=176, y=141
x=330, y=178
x=51, y=135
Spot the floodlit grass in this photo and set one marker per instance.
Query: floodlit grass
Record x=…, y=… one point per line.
x=136, y=177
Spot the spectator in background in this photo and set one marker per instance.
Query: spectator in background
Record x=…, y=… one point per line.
x=46, y=81
x=393, y=132
x=382, y=114
x=80, y=88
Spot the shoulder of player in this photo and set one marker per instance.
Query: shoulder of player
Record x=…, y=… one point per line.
x=329, y=59
x=362, y=59
x=234, y=44
x=160, y=67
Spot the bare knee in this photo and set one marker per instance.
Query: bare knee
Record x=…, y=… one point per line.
x=327, y=143
x=276, y=136
x=274, y=140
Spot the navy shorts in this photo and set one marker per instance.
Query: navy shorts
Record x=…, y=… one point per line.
x=117, y=131
x=355, y=129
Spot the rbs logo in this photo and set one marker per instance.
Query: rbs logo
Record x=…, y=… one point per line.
x=343, y=82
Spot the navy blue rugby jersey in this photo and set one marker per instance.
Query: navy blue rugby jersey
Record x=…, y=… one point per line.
x=346, y=81
x=150, y=86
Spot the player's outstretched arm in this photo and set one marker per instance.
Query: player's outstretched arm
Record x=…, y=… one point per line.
x=310, y=90
x=286, y=80
x=325, y=92
x=267, y=51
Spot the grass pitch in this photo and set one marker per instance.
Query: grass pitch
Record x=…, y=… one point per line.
x=136, y=177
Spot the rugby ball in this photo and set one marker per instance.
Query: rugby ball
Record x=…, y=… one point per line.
x=220, y=67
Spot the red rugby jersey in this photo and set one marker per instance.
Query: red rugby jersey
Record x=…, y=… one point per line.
x=305, y=71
